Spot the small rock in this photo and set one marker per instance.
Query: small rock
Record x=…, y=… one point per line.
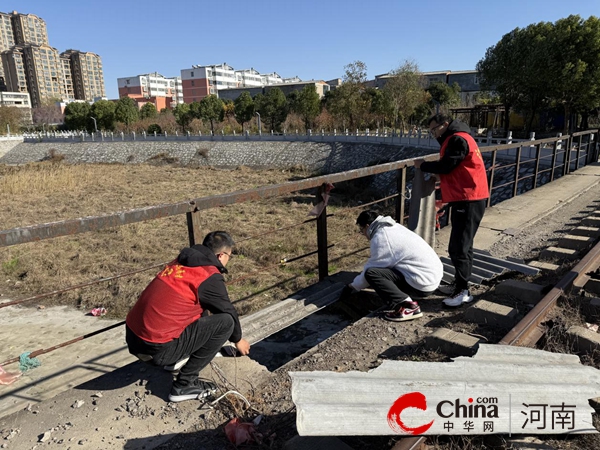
x=44, y=437
x=77, y=404
x=97, y=395
x=82, y=442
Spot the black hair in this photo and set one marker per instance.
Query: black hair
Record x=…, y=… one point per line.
x=366, y=218
x=439, y=119
x=217, y=241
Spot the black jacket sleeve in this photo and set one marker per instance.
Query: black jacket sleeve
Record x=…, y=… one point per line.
x=456, y=151
x=214, y=298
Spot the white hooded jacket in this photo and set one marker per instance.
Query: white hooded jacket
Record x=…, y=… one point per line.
x=395, y=246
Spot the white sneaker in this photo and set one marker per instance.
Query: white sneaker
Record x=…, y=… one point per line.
x=458, y=299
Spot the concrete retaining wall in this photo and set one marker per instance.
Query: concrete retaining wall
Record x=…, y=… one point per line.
x=8, y=143
x=317, y=157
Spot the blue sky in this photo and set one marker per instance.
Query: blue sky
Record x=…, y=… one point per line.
x=312, y=39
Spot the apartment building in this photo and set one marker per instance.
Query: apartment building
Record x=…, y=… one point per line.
x=87, y=74
x=7, y=40
x=29, y=29
x=153, y=88
x=30, y=64
x=17, y=99
x=14, y=70
x=200, y=81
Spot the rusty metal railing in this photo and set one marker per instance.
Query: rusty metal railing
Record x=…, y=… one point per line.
x=565, y=153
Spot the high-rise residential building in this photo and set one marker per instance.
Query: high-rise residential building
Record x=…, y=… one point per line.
x=153, y=88
x=29, y=29
x=14, y=70
x=30, y=64
x=87, y=75
x=44, y=73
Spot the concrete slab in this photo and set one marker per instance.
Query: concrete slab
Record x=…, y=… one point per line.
x=558, y=254
x=27, y=329
x=527, y=292
x=575, y=242
x=544, y=265
x=491, y=313
x=526, y=209
x=584, y=340
x=451, y=343
x=586, y=231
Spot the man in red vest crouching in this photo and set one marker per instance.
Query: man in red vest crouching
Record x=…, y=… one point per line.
x=170, y=320
x=464, y=186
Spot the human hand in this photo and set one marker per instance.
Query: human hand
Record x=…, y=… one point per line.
x=243, y=347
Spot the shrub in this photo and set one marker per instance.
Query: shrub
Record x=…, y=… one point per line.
x=154, y=128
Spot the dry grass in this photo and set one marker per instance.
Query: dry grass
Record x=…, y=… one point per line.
x=44, y=192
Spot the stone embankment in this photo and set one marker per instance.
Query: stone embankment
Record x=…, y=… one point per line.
x=317, y=157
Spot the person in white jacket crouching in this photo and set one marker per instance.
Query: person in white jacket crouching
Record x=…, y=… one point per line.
x=401, y=265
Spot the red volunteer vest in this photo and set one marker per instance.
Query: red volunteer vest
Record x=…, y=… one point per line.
x=468, y=181
x=169, y=303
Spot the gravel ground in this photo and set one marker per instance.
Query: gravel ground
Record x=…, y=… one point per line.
x=370, y=340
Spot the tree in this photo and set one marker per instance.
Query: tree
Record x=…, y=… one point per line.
x=104, y=113
x=381, y=106
x=308, y=105
x=517, y=68
x=244, y=108
x=575, y=65
x=405, y=90
x=148, y=111
x=48, y=112
x=11, y=117
x=126, y=111
x=272, y=107
x=182, y=114
x=211, y=108
x=228, y=108
x=349, y=102
x=77, y=115
x=443, y=95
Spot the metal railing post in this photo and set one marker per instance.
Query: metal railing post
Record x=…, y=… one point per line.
x=491, y=178
x=193, y=224
x=517, y=170
x=567, y=165
x=578, y=152
x=401, y=188
x=322, y=236
x=554, y=150
x=538, y=151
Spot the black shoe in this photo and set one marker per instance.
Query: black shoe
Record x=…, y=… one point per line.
x=197, y=389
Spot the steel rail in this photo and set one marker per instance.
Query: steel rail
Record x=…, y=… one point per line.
x=527, y=332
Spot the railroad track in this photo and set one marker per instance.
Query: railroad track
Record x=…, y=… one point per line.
x=575, y=279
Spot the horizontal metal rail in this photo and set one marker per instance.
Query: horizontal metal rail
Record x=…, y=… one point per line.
x=39, y=232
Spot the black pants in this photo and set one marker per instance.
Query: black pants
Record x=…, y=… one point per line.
x=391, y=286
x=201, y=341
x=465, y=218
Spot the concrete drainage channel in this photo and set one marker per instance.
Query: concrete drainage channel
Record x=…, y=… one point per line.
x=287, y=329
x=291, y=342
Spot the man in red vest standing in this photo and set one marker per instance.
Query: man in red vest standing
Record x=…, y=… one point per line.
x=169, y=322
x=464, y=186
